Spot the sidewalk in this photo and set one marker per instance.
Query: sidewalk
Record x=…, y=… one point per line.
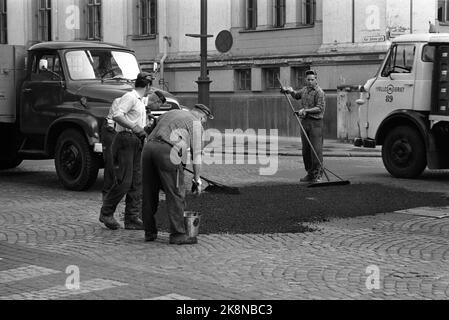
x=292, y=147
x=332, y=148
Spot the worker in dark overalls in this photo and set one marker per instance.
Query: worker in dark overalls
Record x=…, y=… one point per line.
x=163, y=160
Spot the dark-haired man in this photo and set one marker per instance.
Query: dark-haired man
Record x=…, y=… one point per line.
x=130, y=118
x=162, y=159
x=313, y=103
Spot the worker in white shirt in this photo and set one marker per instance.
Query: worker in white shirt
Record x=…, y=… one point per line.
x=130, y=117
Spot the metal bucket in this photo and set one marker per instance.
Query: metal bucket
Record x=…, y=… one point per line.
x=192, y=223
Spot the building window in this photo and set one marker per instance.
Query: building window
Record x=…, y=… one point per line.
x=94, y=20
x=148, y=17
x=279, y=13
x=3, y=23
x=44, y=20
x=271, y=77
x=243, y=79
x=443, y=11
x=251, y=14
x=299, y=76
x=308, y=12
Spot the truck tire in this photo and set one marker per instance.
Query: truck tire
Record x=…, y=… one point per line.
x=404, y=153
x=10, y=163
x=76, y=164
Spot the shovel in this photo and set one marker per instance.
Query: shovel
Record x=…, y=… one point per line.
x=329, y=183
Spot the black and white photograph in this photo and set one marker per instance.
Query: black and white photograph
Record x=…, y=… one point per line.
x=225, y=156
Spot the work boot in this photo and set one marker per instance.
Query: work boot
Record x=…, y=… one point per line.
x=150, y=237
x=110, y=222
x=317, y=180
x=181, y=239
x=133, y=223
x=307, y=179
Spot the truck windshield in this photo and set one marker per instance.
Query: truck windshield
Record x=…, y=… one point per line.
x=100, y=64
x=400, y=60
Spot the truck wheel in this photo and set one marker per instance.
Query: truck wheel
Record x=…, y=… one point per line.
x=10, y=163
x=76, y=164
x=404, y=153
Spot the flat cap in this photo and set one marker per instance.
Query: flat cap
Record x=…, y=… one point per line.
x=205, y=110
x=311, y=73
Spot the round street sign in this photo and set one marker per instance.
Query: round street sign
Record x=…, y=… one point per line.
x=224, y=41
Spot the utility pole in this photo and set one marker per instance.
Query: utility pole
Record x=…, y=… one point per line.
x=204, y=80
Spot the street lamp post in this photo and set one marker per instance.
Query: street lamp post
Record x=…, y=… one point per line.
x=204, y=80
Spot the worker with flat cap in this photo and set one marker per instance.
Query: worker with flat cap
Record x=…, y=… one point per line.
x=163, y=160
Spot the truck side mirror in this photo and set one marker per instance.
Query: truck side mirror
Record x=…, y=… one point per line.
x=43, y=65
x=155, y=67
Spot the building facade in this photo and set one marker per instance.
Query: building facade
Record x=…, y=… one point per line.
x=343, y=40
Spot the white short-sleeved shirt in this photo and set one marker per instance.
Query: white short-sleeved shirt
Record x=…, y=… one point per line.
x=132, y=107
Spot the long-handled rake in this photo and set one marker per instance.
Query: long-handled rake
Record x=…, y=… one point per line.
x=215, y=187
x=329, y=183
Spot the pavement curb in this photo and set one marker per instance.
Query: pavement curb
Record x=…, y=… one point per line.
x=326, y=155
x=338, y=155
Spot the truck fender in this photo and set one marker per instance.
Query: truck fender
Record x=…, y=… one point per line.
x=85, y=123
x=404, y=117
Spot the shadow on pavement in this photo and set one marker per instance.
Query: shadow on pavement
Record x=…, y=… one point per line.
x=44, y=179
x=438, y=176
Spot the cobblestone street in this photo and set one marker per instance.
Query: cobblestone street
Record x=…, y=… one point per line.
x=45, y=229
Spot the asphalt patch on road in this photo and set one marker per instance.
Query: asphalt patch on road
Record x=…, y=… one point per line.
x=288, y=208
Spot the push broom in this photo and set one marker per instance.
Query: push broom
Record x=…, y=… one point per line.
x=329, y=183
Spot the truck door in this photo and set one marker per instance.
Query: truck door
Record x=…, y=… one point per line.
x=395, y=85
x=42, y=94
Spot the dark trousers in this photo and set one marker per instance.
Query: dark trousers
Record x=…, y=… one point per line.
x=107, y=136
x=126, y=157
x=158, y=173
x=314, y=130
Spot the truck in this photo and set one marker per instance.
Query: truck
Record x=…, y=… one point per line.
x=54, y=98
x=405, y=107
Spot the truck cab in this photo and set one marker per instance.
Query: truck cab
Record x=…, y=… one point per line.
x=405, y=107
x=63, y=101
